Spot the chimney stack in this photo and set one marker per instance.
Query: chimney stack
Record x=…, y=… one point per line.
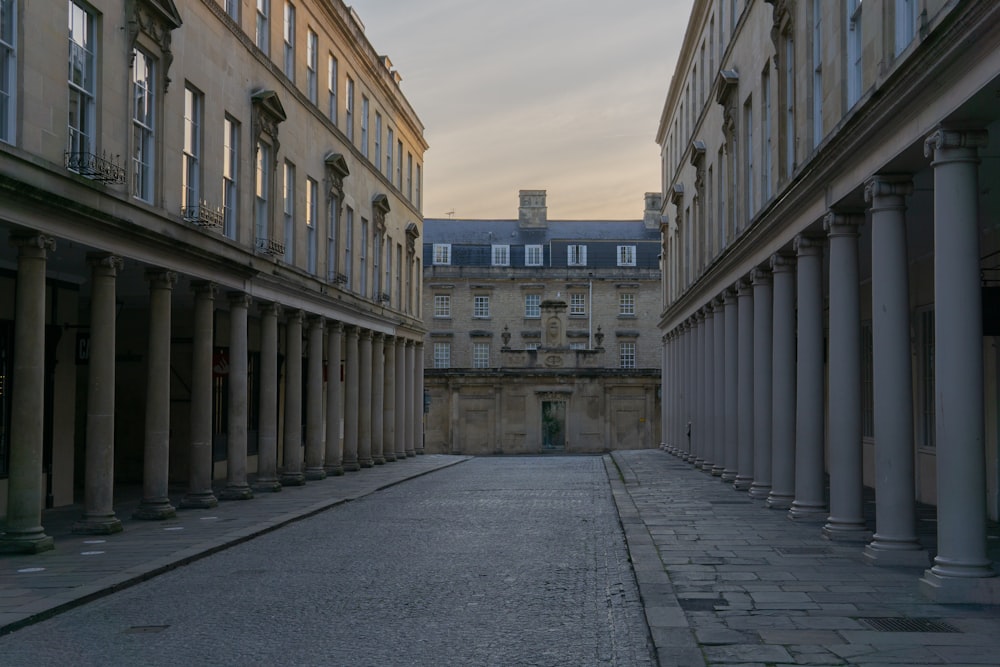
x=533, y=214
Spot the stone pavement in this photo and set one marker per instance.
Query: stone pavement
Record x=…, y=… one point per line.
x=725, y=581
x=85, y=567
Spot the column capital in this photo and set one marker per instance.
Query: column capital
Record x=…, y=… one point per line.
x=419, y=344
x=760, y=275
x=742, y=287
x=782, y=263
x=315, y=321
x=161, y=278
x=105, y=262
x=698, y=316
x=843, y=223
x=806, y=246
x=204, y=288
x=410, y=342
x=239, y=299
x=365, y=334
x=295, y=316
x=887, y=190
x=31, y=240
x=378, y=337
x=729, y=294
x=944, y=138
x=269, y=308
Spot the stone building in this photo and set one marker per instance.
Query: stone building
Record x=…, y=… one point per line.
x=831, y=264
x=542, y=333
x=219, y=203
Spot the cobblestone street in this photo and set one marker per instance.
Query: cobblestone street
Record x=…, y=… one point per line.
x=497, y=561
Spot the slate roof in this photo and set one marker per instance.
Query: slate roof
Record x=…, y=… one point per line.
x=474, y=232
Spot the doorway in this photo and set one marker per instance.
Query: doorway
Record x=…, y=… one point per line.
x=553, y=425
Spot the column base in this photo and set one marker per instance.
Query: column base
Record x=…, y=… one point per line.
x=267, y=485
x=315, y=474
x=334, y=471
x=155, y=510
x=199, y=501
x=955, y=590
x=105, y=524
x=717, y=470
x=390, y=458
x=728, y=476
x=27, y=542
x=351, y=466
x=913, y=556
x=236, y=493
x=759, y=491
x=420, y=452
x=410, y=453
x=840, y=531
x=742, y=483
x=293, y=479
x=803, y=511
x=779, y=501
x=366, y=463
x=379, y=460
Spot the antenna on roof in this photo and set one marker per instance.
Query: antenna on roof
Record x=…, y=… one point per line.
x=451, y=214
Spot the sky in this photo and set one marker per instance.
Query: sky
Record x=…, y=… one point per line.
x=556, y=95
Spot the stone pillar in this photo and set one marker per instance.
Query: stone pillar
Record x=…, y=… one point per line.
x=411, y=383
x=236, y=436
x=199, y=494
x=378, y=404
x=98, y=511
x=351, y=402
x=958, y=370
x=690, y=401
x=23, y=532
x=763, y=323
x=267, y=427
x=400, y=399
x=156, y=445
x=389, y=400
x=333, y=461
x=418, y=398
x=665, y=394
x=895, y=541
x=810, y=502
x=783, y=383
x=291, y=472
x=697, y=397
x=745, y=373
x=709, y=413
x=719, y=389
x=315, y=444
x=365, y=399
x=846, y=521
x=731, y=384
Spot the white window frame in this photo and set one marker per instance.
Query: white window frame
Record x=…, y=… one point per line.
x=262, y=193
x=376, y=267
x=817, y=67
x=81, y=139
x=442, y=306
x=348, y=242
x=312, y=66
x=143, y=125
x=333, y=220
x=312, y=212
x=855, y=52
x=748, y=175
x=8, y=70
x=364, y=125
x=765, y=127
x=442, y=355
x=349, y=109
x=363, y=258
x=331, y=87
x=626, y=355
x=289, y=41
x=906, y=24
x=230, y=176
x=481, y=306
x=533, y=255
x=500, y=255
x=626, y=255
x=378, y=141
x=409, y=176
x=389, y=140
x=262, y=35
x=288, y=208
x=577, y=304
x=441, y=254
x=532, y=306
x=626, y=304
x=576, y=255
x=194, y=103
x=480, y=355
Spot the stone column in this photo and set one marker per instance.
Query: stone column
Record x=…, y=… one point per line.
x=696, y=369
x=745, y=373
x=389, y=400
x=846, y=521
x=199, y=494
x=315, y=444
x=365, y=399
x=731, y=384
x=351, y=402
x=763, y=323
x=267, y=427
x=236, y=441
x=377, y=397
x=400, y=399
x=719, y=389
x=958, y=369
x=665, y=394
x=156, y=445
x=411, y=383
x=783, y=383
x=23, y=532
x=418, y=398
x=809, y=503
x=895, y=541
x=291, y=472
x=98, y=511
x=709, y=412
x=333, y=461
x=690, y=400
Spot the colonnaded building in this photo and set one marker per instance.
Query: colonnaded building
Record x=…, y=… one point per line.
x=211, y=269
x=832, y=256
x=542, y=333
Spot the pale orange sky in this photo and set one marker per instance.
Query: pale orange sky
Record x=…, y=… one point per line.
x=559, y=95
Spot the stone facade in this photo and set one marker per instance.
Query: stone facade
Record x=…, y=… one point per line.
x=217, y=189
x=541, y=333
x=830, y=276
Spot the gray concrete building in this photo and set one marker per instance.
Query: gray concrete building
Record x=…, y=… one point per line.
x=831, y=268
x=541, y=333
x=212, y=272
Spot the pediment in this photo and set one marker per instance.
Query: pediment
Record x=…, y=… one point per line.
x=267, y=102
x=337, y=164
